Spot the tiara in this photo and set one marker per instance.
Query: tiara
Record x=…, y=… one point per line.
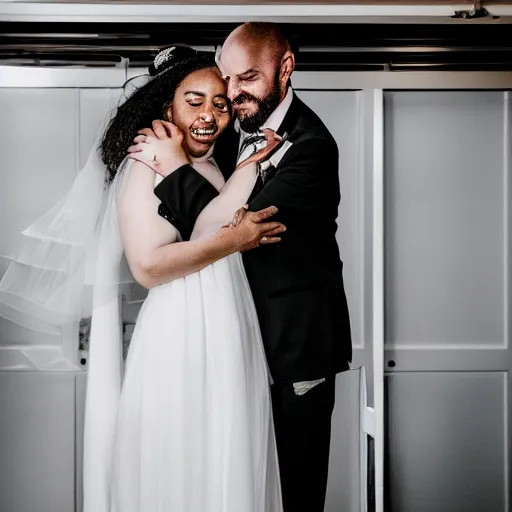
x=163, y=56
x=173, y=53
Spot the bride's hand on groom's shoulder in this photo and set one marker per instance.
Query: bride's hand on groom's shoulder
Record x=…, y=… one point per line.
x=273, y=140
x=159, y=147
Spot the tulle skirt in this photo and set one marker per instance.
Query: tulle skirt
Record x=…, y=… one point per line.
x=194, y=430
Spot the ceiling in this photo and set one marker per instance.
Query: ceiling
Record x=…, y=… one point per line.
x=464, y=45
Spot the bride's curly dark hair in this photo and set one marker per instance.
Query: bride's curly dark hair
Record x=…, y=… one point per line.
x=150, y=102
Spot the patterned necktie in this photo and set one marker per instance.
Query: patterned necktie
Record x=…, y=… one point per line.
x=250, y=144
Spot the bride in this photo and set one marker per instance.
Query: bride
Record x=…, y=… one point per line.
x=186, y=425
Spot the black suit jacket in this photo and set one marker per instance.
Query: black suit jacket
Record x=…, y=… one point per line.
x=297, y=284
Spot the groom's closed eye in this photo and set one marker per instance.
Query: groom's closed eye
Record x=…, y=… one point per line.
x=250, y=74
x=248, y=78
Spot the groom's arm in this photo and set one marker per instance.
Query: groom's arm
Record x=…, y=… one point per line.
x=307, y=175
x=184, y=194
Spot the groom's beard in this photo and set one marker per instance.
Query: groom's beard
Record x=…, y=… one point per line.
x=266, y=106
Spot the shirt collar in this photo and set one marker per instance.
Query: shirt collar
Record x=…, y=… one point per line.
x=276, y=118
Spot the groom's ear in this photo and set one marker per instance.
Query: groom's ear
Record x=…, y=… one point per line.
x=287, y=67
x=168, y=114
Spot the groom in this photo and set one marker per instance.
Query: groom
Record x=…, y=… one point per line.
x=297, y=284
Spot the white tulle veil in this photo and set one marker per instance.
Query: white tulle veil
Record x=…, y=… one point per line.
x=49, y=281
x=69, y=266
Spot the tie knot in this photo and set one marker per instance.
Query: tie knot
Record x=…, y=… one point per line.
x=253, y=138
x=250, y=144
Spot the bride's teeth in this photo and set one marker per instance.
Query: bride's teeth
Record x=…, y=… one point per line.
x=203, y=131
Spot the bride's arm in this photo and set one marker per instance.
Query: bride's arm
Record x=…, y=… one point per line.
x=233, y=195
x=149, y=241
x=236, y=192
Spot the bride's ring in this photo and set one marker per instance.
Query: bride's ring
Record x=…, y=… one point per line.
x=263, y=239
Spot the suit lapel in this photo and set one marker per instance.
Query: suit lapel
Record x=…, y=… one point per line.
x=285, y=130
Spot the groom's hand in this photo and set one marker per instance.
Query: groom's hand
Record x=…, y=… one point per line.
x=252, y=229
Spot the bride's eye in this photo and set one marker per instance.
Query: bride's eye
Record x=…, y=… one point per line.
x=194, y=104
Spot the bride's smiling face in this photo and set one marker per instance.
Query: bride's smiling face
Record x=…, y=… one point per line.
x=200, y=109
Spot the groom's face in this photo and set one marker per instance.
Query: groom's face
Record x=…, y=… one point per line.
x=252, y=76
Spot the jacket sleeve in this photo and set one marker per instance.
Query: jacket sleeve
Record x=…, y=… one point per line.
x=184, y=194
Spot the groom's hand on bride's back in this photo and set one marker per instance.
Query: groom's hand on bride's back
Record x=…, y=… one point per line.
x=252, y=229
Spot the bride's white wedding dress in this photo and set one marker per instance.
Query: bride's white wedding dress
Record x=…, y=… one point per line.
x=194, y=430
x=188, y=427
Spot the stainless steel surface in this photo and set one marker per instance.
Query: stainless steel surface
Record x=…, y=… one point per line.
x=447, y=435
x=36, y=77
x=37, y=438
x=447, y=323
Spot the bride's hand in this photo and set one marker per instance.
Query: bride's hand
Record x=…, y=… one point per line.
x=273, y=140
x=160, y=148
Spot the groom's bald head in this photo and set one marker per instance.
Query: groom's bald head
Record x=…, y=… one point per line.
x=264, y=39
x=257, y=62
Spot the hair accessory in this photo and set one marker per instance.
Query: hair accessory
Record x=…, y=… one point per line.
x=170, y=55
x=163, y=56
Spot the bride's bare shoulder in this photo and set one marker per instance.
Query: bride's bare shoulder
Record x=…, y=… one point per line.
x=137, y=178
x=137, y=208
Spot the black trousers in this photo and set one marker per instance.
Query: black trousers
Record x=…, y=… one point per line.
x=303, y=435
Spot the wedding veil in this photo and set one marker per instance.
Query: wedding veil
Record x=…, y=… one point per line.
x=49, y=282
x=70, y=266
